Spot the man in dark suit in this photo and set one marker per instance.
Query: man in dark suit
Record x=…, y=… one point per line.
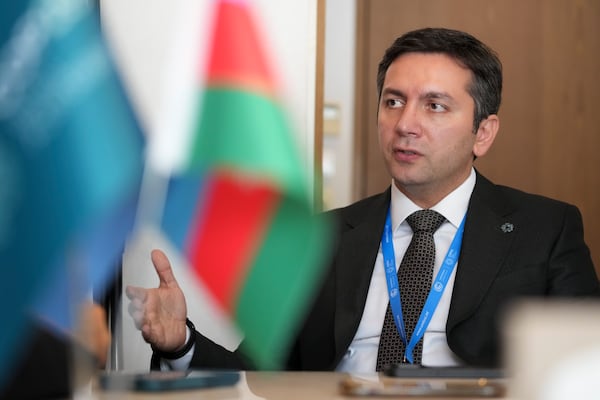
x=440, y=93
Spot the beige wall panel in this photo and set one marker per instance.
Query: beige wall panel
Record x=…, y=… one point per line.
x=550, y=114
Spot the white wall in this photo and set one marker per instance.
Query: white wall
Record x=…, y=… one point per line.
x=340, y=28
x=140, y=32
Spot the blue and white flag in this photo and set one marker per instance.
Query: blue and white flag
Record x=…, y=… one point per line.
x=70, y=163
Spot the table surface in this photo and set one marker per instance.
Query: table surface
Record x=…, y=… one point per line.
x=294, y=385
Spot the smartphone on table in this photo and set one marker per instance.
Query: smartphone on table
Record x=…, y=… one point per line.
x=156, y=381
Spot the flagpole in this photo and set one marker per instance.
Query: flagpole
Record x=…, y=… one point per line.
x=113, y=301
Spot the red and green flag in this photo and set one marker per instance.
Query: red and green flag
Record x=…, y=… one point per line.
x=241, y=212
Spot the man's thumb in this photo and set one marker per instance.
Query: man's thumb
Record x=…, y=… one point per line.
x=162, y=265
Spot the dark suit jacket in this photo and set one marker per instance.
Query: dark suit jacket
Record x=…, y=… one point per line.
x=540, y=252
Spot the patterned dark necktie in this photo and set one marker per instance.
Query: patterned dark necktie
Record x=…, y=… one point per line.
x=414, y=279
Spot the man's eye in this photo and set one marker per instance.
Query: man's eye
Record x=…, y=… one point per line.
x=394, y=103
x=436, y=107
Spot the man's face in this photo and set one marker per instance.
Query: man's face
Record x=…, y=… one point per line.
x=425, y=125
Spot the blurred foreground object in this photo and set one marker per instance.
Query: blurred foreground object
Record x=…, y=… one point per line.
x=53, y=365
x=553, y=350
x=93, y=333
x=70, y=167
x=239, y=208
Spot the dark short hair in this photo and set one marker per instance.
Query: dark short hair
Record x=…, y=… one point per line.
x=486, y=85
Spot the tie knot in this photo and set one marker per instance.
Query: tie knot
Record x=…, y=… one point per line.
x=425, y=221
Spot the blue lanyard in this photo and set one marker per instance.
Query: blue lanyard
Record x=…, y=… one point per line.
x=437, y=288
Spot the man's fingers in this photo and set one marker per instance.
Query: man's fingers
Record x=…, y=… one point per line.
x=136, y=293
x=163, y=268
x=147, y=333
x=138, y=319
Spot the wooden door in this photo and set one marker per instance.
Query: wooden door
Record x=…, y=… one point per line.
x=550, y=115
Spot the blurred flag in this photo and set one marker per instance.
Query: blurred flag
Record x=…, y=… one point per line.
x=70, y=163
x=241, y=210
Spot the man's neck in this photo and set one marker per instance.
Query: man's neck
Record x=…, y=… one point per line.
x=427, y=197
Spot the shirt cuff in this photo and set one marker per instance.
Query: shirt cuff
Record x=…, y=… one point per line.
x=182, y=363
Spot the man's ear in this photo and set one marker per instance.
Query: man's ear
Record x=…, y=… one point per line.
x=485, y=135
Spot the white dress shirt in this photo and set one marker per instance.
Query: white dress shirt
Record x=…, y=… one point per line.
x=361, y=356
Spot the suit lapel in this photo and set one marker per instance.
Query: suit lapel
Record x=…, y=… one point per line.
x=484, y=248
x=354, y=267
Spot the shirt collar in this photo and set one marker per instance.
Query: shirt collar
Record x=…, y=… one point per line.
x=453, y=207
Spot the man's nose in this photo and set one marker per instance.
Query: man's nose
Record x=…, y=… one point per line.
x=409, y=121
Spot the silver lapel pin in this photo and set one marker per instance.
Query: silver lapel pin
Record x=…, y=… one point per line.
x=507, y=227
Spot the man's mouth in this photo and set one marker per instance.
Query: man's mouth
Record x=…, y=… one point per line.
x=406, y=155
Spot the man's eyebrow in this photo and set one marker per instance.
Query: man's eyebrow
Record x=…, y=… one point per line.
x=431, y=95
x=392, y=91
x=437, y=96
